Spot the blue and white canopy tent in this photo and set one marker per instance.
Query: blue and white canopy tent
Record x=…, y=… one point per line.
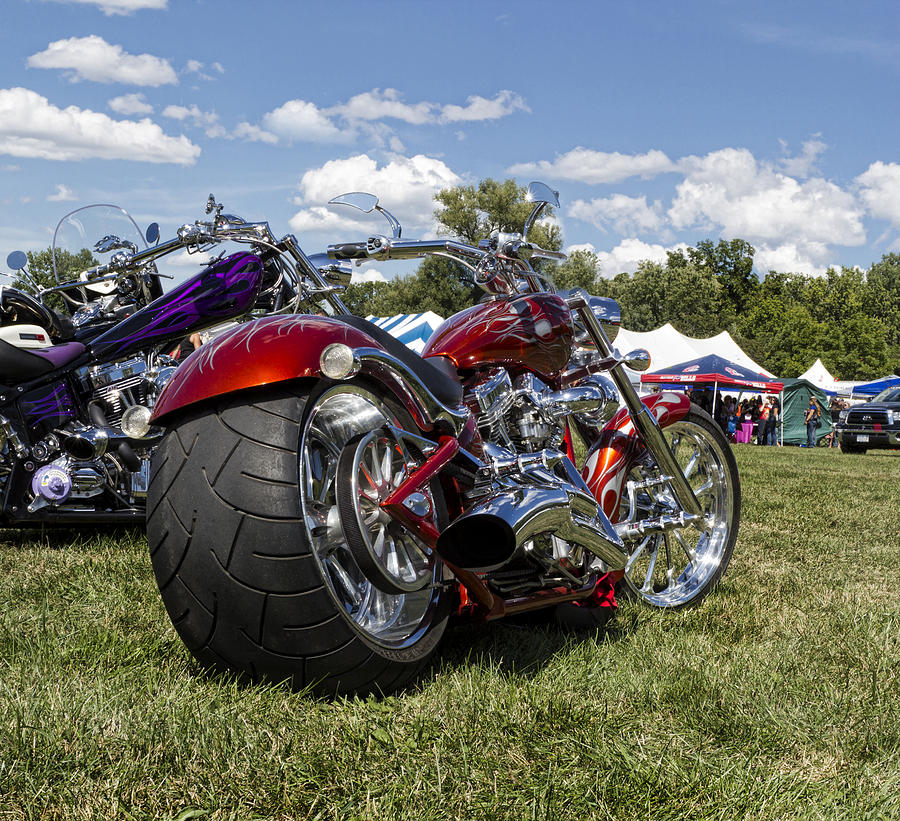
x=413, y=330
x=869, y=389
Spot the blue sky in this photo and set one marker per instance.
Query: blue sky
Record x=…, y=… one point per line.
x=660, y=123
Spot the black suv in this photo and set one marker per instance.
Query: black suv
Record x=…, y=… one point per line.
x=875, y=424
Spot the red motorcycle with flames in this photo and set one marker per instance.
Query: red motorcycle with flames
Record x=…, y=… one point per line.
x=325, y=500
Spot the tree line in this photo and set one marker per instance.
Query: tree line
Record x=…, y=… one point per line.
x=849, y=318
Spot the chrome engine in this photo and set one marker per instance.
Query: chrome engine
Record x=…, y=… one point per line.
x=528, y=415
x=75, y=465
x=528, y=488
x=116, y=386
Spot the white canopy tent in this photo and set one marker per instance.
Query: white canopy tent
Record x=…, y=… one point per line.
x=820, y=376
x=668, y=346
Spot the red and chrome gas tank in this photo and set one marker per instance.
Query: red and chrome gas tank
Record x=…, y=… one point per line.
x=532, y=331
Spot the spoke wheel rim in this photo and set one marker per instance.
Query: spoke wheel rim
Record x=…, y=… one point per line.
x=389, y=620
x=669, y=569
x=392, y=557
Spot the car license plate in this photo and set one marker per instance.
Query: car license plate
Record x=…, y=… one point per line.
x=862, y=437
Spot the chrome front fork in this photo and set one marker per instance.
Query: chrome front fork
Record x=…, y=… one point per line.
x=641, y=416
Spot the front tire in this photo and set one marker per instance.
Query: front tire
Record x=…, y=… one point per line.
x=249, y=552
x=678, y=568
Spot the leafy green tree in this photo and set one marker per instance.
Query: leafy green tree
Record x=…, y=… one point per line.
x=882, y=299
x=471, y=212
x=40, y=272
x=364, y=298
x=858, y=349
x=580, y=271
x=730, y=260
x=688, y=296
x=797, y=343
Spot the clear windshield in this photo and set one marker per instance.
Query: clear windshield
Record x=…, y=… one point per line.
x=889, y=395
x=78, y=232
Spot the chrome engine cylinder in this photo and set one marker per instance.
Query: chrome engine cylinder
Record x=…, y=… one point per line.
x=594, y=400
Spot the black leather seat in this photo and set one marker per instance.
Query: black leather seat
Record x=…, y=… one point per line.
x=18, y=365
x=437, y=373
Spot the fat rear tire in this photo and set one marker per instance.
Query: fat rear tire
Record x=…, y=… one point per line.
x=237, y=552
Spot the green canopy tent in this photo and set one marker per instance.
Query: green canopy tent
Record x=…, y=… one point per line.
x=795, y=401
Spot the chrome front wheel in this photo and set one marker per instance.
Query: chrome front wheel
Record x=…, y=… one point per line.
x=679, y=566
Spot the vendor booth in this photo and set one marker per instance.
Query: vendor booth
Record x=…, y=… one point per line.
x=413, y=330
x=795, y=401
x=717, y=373
x=867, y=390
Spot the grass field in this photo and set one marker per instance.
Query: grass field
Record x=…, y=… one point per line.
x=778, y=698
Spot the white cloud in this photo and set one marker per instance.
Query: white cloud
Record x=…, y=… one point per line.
x=62, y=194
x=339, y=221
x=729, y=191
x=196, y=67
x=880, y=191
x=625, y=214
x=129, y=104
x=110, y=7
x=364, y=114
x=803, y=165
x=303, y=121
x=405, y=186
x=92, y=58
x=30, y=126
x=207, y=120
x=478, y=108
x=595, y=167
x=253, y=133
x=367, y=275
x=380, y=105
x=628, y=254
x=794, y=258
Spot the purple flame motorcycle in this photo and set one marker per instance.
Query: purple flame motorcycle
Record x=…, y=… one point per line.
x=77, y=388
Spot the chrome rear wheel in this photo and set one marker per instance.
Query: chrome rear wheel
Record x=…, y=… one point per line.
x=385, y=582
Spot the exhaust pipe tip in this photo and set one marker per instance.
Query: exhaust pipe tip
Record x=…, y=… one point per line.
x=479, y=543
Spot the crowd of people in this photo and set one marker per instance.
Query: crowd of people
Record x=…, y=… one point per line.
x=764, y=413
x=731, y=413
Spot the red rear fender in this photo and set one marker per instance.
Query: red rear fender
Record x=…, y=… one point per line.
x=263, y=352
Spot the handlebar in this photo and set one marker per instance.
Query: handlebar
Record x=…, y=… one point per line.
x=383, y=248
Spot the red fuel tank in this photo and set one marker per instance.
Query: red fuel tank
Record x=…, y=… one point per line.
x=532, y=331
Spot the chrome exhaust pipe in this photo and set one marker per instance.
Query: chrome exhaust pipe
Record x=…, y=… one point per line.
x=491, y=533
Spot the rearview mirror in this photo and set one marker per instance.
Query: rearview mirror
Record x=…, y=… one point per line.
x=541, y=193
x=542, y=196
x=17, y=260
x=368, y=203
x=356, y=199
